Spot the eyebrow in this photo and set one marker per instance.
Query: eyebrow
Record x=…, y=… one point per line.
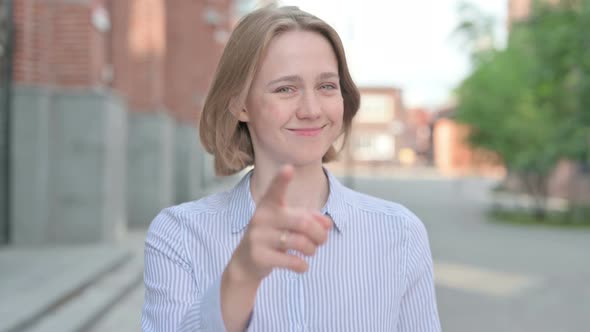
x=296, y=78
x=325, y=76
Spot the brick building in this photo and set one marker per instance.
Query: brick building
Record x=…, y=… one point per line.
x=377, y=130
x=452, y=153
x=419, y=135
x=105, y=97
x=521, y=9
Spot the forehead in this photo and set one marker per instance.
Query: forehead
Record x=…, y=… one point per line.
x=297, y=36
x=296, y=50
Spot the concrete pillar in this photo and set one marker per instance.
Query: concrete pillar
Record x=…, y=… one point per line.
x=189, y=172
x=68, y=165
x=4, y=160
x=150, y=166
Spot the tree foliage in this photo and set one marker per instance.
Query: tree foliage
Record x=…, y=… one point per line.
x=530, y=102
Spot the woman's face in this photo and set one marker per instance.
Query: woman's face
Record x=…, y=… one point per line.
x=294, y=109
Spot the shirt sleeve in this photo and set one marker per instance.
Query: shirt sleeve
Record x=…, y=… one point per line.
x=418, y=310
x=174, y=299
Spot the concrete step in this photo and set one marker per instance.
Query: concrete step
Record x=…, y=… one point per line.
x=125, y=316
x=36, y=281
x=82, y=311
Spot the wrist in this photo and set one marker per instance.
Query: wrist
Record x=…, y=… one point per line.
x=238, y=294
x=235, y=276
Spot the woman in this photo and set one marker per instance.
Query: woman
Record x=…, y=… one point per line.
x=289, y=247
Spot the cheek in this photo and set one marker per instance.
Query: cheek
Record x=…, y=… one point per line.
x=279, y=107
x=268, y=112
x=335, y=110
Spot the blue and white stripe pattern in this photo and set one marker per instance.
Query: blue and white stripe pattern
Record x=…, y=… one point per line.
x=373, y=274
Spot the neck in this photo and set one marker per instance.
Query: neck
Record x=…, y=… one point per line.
x=308, y=189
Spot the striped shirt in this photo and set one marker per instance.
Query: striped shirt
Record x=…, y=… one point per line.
x=373, y=274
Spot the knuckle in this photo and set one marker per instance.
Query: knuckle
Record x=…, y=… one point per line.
x=302, y=225
x=299, y=242
x=303, y=245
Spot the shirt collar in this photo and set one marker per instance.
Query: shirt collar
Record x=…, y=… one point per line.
x=242, y=206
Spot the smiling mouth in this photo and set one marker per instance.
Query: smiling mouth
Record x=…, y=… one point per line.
x=307, y=131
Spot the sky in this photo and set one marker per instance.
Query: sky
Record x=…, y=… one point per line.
x=403, y=43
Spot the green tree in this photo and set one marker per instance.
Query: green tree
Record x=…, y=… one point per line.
x=530, y=101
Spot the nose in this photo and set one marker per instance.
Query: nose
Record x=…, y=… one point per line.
x=310, y=106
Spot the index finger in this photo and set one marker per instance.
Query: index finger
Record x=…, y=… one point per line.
x=276, y=191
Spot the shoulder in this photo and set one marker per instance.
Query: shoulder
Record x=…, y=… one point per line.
x=169, y=232
x=394, y=214
x=211, y=204
x=191, y=211
x=170, y=224
x=387, y=214
x=396, y=217
x=375, y=205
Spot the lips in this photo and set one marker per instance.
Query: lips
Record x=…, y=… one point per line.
x=310, y=131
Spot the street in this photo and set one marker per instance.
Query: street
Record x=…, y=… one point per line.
x=489, y=276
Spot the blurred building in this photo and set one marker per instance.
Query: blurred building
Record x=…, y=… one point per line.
x=452, y=153
x=104, y=100
x=419, y=135
x=519, y=10
x=377, y=130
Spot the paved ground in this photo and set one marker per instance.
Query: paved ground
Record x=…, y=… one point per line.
x=490, y=277
x=125, y=316
x=495, y=277
x=36, y=280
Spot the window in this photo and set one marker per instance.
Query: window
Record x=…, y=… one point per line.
x=376, y=108
x=374, y=147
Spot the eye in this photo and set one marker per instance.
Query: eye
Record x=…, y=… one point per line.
x=329, y=86
x=284, y=89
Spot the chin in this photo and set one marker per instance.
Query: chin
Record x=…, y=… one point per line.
x=306, y=158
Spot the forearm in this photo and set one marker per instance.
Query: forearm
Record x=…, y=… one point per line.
x=238, y=295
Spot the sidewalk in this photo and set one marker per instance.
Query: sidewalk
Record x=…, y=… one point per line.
x=396, y=172
x=66, y=288
x=71, y=288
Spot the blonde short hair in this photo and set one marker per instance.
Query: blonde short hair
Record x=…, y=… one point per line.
x=221, y=133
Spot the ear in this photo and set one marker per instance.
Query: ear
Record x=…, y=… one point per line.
x=238, y=110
